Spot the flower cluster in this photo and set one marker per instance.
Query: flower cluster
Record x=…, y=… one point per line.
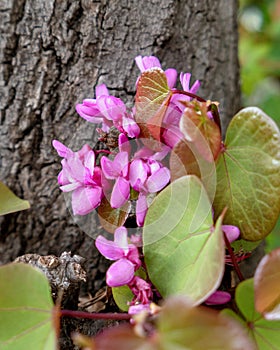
x=131, y=171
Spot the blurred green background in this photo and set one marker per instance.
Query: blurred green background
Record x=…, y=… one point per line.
x=259, y=55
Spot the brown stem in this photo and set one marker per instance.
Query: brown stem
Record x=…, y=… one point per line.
x=95, y=315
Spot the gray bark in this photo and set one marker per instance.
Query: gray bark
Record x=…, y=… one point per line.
x=53, y=54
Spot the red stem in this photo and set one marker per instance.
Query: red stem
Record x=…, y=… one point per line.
x=182, y=92
x=233, y=259
x=95, y=315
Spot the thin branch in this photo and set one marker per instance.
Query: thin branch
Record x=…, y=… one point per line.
x=95, y=315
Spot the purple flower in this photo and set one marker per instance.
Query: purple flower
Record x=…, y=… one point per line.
x=80, y=176
x=90, y=108
x=148, y=62
x=146, y=176
x=218, y=298
x=109, y=111
x=117, y=169
x=232, y=232
x=122, y=271
x=141, y=289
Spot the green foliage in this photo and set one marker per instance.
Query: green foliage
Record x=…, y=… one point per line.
x=9, y=202
x=248, y=181
x=259, y=53
x=264, y=332
x=26, y=309
x=180, y=242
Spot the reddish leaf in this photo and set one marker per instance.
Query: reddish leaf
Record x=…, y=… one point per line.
x=110, y=218
x=199, y=129
x=267, y=285
x=152, y=98
x=186, y=159
x=122, y=337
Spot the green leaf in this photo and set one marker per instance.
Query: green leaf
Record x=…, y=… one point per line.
x=9, y=202
x=248, y=174
x=26, y=309
x=265, y=333
x=123, y=295
x=184, y=327
x=267, y=285
x=152, y=99
x=180, y=242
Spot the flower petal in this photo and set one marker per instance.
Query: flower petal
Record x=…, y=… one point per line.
x=120, y=238
x=141, y=209
x=137, y=174
x=120, y=163
x=86, y=199
x=218, y=298
x=158, y=180
x=147, y=62
x=61, y=149
x=108, y=168
x=120, y=273
x=101, y=90
x=232, y=232
x=109, y=249
x=89, y=161
x=120, y=193
x=171, y=75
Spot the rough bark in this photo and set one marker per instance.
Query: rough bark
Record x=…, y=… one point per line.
x=53, y=54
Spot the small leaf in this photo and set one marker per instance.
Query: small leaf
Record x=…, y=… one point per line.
x=182, y=326
x=180, y=242
x=26, y=309
x=152, y=92
x=110, y=218
x=265, y=333
x=123, y=295
x=9, y=202
x=248, y=174
x=199, y=129
x=267, y=285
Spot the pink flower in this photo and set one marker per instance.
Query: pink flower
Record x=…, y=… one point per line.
x=142, y=291
x=148, y=62
x=80, y=176
x=146, y=176
x=117, y=169
x=122, y=271
x=218, y=298
x=90, y=108
x=109, y=111
x=232, y=232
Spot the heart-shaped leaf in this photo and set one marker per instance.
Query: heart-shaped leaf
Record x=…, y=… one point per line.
x=26, y=309
x=151, y=95
x=9, y=202
x=182, y=326
x=265, y=333
x=267, y=285
x=180, y=242
x=248, y=174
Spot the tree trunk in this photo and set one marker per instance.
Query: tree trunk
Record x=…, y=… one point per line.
x=53, y=54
